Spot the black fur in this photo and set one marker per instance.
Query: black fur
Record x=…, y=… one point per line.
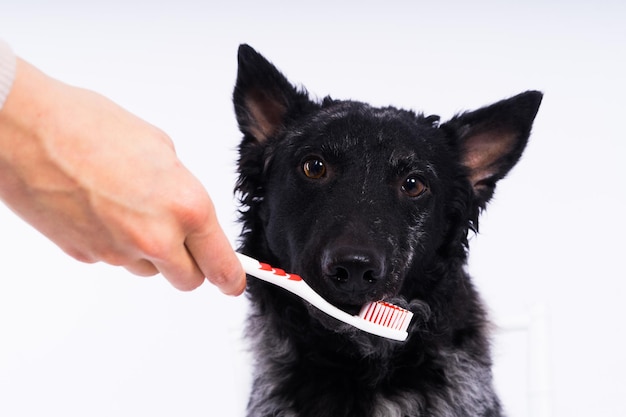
x=384, y=213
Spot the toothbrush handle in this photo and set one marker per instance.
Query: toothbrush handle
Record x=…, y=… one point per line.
x=295, y=284
x=291, y=282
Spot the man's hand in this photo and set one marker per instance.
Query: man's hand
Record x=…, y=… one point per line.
x=106, y=186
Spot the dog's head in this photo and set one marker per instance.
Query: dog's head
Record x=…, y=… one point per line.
x=361, y=200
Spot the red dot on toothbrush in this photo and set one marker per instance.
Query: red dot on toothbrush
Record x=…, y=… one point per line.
x=265, y=267
x=279, y=272
x=294, y=277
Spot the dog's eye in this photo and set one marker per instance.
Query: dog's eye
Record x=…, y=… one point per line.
x=314, y=168
x=413, y=186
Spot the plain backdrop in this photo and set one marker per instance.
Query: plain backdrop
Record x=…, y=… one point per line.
x=93, y=340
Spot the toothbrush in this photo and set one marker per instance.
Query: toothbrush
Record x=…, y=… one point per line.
x=379, y=318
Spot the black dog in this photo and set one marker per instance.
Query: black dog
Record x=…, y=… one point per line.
x=366, y=204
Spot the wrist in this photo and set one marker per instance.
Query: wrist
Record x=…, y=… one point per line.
x=24, y=121
x=28, y=104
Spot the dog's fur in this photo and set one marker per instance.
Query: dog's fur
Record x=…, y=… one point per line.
x=367, y=203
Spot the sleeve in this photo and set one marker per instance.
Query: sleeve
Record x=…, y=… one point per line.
x=7, y=70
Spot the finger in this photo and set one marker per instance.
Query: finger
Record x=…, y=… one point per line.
x=180, y=269
x=142, y=267
x=217, y=260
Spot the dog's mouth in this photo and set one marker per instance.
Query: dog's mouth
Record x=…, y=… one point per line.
x=346, y=330
x=348, y=281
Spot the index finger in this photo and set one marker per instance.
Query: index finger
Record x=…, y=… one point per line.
x=216, y=259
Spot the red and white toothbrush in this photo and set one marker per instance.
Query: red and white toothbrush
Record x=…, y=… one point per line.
x=379, y=318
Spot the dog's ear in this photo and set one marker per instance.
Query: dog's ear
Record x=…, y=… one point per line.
x=491, y=140
x=264, y=100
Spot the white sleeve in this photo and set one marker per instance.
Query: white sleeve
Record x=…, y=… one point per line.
x=7, y=70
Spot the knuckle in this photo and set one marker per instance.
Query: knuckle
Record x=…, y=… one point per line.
x=164, y=137
x=92, y=255
x=113, y=257
x=193, y=208
x=152, y=244
x=142, y=267
x=184, y=282
x=81, y=256
x=186, y=285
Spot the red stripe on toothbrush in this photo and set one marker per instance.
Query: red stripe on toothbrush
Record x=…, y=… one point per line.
x=387, y=316
x=392, y=318
x=377, y=314
x=399, y=320
x=370, y=311
x=403, y=321
x=399, y=316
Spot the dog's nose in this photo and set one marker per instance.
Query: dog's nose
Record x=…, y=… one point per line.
x=353, y=271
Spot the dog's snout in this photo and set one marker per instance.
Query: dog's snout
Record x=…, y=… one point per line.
x=353, y=271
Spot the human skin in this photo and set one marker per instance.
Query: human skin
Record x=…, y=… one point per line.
x=105, y=185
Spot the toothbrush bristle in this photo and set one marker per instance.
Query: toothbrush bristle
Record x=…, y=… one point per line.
x=386, y=314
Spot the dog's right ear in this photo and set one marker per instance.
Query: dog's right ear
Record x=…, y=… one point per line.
x=264, y=100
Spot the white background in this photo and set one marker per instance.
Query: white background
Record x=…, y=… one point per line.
x=93, y=340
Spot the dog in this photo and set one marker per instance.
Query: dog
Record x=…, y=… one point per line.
x=367, y=204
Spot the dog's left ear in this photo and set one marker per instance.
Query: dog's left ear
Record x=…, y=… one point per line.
x=491, y=140
x=264, y=99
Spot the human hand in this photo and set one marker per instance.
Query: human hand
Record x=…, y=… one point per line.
x=106, y=186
